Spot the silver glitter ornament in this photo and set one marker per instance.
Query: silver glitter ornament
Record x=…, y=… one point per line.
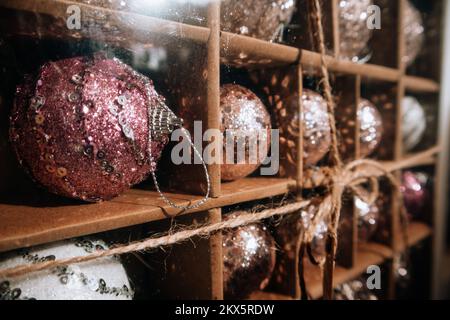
x=354, y=33
x=414, y=30
x=371, y=127
x=101, y=279
x=248, y=260
x=262, y=19
x=414, y=122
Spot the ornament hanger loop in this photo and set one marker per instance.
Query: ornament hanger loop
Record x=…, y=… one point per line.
x=165, y=125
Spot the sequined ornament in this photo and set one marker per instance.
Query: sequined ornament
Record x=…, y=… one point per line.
x=415, y=192
x=414, y=31
x=316, y=126
x=89, y=128
x=262, y=19
x=354, y=290
x=368, y=218
x=246, y=126
x=248, y=260
x=318, y=248
x=414, y=122
x=354, y=33
x=101, y=279
x=371, y=127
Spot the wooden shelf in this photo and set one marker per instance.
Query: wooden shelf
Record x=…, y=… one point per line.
x=367, y=255
x=421, y=85
x=234, y=49
x=268, y=296
x=27, y=222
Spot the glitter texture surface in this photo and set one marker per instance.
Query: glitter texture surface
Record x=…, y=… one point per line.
x=245, y=117
x=102, y=279
x=371, y=127
x=414, y=122
x=354, y=33
x=249, y=260
x=414, y=30
x=415, y=192
x=316, y=126
x=368, y=217
x=81, y=127
x=262, y=19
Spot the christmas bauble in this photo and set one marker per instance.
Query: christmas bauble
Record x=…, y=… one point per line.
x=415, y=192
x=81, y=127
x=262, y=19
x=101, y=279
x=414, y=122
x=354, y=33
x=244, y=120
x=354, y=290
x=371, y=127
x=414, y=31
x=316, y=125
x=368, y=216
x=318, y=243
x=248, y=260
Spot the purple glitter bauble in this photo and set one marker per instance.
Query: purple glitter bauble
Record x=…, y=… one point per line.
x=80, y=127
x=415, y=192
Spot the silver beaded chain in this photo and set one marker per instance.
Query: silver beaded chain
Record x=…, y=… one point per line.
x=162, y=121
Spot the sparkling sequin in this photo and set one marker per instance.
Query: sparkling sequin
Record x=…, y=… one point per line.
x=77, y=79
x=61, y=172
x=74, y=97
x=39, y=119
x=37, y=102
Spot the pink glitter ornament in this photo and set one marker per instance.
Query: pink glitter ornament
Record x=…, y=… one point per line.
x=89, y=128
x=415, y=193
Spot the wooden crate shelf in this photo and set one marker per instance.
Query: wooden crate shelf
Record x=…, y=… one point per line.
x=25, y=224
